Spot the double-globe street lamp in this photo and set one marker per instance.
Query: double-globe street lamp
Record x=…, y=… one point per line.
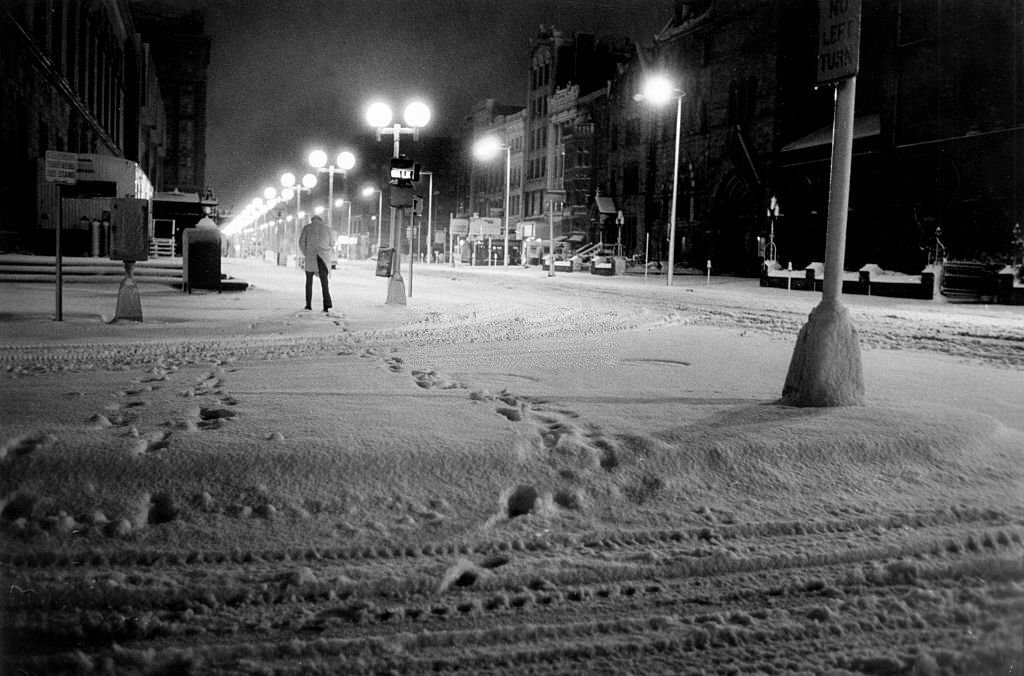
x=659, y=90
x=344, y=162
x=291, y=187
x=487, y=148
x=380, y=117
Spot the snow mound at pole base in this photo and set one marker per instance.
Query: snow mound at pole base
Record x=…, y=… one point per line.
x=826, y=366
x=804, y=456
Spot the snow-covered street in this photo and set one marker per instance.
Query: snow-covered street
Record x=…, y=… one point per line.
x=569, y=474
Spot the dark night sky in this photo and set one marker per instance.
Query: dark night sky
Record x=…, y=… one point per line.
x=286, y=77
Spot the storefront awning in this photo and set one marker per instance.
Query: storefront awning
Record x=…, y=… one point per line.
x=863, y=127
x=606, y=205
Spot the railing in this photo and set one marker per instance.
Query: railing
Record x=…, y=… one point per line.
x=160, y=247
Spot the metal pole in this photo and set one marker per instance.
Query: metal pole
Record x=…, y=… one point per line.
x=330, y=198
x=508, y=183
x=839, y=192
x=430, y=215
x=551, y=233
x=414, y=246
x=451, y=240
x=380, y=215
x=295, y=232
x=675, y=194
x=58, y=257
x=349, y=245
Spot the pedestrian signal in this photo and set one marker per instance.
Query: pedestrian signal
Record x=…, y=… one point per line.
x=404, y=169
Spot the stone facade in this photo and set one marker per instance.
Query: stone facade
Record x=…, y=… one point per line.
x=938, y=149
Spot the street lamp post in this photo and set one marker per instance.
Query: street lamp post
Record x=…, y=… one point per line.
x=379, y=116
x=344, y=162
x=348, y=231
x=430, y=211
x=270, y=195
x=659, y=90
x=288, y=181
x=369, y=190
x=485, y=148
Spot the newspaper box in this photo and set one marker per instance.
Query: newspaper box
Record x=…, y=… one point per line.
x=385, y=262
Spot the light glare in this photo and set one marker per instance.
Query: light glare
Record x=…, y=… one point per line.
x=486, y=148
x=318, y=159
x=346, y=160
x=378, y=115
x=659, y=89
x=417, y=114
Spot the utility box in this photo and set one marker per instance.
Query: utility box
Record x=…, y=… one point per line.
x=200, y=264
x=130, y=230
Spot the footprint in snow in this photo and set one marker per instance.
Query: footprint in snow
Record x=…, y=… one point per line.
x=431, y=380
x=154, y=441
x=27, y=443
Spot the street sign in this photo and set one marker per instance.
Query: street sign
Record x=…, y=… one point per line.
x=838, y=39
x=61, y=168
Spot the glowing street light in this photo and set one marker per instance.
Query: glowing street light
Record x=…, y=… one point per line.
x=379, y=116
x=486, y=148
x=659, y=90
x=288, y=182
x=416, y=116
x=342, y=164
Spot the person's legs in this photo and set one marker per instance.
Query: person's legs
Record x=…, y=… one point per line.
x=324, y=286
x=309, y=289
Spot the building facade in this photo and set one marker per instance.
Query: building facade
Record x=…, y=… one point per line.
x=181, y=53
x=82, y=76
x=938, y=152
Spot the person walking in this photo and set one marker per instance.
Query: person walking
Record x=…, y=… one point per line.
x=315, y=244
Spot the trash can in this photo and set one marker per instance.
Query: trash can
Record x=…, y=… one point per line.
x=200, y=259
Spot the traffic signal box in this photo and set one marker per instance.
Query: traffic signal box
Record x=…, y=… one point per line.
x=404, y=172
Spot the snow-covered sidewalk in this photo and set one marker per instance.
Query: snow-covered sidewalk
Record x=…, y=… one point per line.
x=500, y=408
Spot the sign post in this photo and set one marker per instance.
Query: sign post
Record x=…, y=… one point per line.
x=620, y=220
x=825, y=369
x=62, y=169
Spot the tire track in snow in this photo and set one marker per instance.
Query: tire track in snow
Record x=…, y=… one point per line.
x=901, y=582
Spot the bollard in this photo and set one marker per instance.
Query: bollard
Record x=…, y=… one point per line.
x=708, y=282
